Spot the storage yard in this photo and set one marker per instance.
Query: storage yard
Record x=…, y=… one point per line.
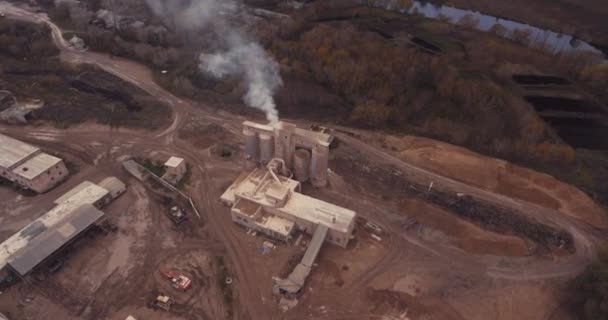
x=287, y=220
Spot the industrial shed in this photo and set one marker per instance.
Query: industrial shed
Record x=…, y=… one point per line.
x=49, y=240
x=75, y=212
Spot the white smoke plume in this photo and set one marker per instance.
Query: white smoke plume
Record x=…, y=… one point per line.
x=242, y=57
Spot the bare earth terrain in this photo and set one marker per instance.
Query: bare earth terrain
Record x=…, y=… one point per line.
x=429, y=264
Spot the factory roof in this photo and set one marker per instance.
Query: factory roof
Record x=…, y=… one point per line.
x=258, y=126
x=260, y=187
x=321, y=212
x=87, y=194
x=113, y=184
x=174, y=162
x=13, y=152
x=36, y=165
x=83, y=185
x=51, y=239
x=317, y=136
x=255, y=185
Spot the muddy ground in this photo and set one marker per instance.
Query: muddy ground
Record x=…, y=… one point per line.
x=110, y=276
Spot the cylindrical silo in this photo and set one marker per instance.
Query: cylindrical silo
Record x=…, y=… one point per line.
x=318, y=167
x=266, y=147
x=251, y=145
x=301, y=165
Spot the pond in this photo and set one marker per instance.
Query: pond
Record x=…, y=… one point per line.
x=556, y=42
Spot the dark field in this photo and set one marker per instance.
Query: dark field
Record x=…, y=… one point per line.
x=71, y=94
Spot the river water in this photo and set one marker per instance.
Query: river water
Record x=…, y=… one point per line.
x=556, y=42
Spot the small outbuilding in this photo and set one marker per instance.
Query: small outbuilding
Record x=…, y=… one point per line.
x=175, y=170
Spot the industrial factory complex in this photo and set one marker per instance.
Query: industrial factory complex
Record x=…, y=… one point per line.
x=28, y=166
x=268, y=199
x=75, y=212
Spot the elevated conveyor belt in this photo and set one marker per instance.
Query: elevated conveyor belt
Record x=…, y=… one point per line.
x=295, y=281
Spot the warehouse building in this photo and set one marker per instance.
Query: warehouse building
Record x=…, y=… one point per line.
x=75, y=212
x=28, y=166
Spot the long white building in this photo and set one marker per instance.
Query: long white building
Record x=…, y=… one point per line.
x=75, y=212
x=28, y=166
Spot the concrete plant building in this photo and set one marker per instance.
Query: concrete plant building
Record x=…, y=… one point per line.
x=305, y=152
x=269, y=201
x=28, y=166
x=75, y=212
x=273, y=205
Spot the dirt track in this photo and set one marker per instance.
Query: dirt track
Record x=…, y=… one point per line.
x=206, y=187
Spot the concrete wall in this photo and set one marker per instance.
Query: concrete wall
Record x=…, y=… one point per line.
x=49, y=179
x=249, y=223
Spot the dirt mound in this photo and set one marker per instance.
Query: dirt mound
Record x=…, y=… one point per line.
x=499, y=176
x=467, y=236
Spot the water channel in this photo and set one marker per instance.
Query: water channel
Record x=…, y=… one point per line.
x=556, y=42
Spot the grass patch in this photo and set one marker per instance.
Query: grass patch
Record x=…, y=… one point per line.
x=156, y=167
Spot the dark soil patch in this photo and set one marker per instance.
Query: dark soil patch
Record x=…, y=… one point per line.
x=528, y=79
x=542, y=103
x=425, y=45
x=390, y=183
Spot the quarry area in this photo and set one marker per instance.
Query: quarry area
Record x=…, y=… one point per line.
x=151, y=170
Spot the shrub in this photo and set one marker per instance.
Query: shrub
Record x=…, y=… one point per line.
x=589, y=291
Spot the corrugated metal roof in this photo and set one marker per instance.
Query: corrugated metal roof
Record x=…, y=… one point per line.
x=77, y=189
x=113, y=185
x=88, y=195
x=13, y=151
x=36, y=165
x=52, y=239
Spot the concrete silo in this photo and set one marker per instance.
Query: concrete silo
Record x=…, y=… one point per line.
x=318, y=168
x=266, y=147
x=301, y=165
x=252, y=148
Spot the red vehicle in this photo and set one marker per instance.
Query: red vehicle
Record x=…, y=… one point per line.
x=178, y=281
